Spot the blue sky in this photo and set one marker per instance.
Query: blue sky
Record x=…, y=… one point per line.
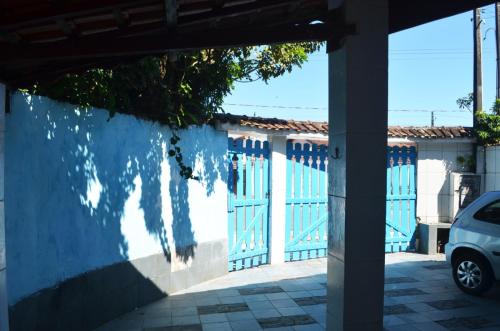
x=430, y=67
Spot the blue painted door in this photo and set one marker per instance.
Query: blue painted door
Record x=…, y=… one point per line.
x=401, y=199
x=248, y=203
x=306, y=234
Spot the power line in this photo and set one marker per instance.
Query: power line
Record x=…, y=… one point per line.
x=325, y=108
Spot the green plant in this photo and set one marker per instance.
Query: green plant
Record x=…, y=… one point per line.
x=178, y=92
x=468, y=162
x=487, y=130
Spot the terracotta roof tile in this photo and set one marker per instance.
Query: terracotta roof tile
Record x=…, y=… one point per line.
x=276, y=124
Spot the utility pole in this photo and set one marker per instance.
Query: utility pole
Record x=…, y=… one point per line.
x=497, y=33
x=478, y=65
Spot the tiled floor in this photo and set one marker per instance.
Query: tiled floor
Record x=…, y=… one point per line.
x=420, y=295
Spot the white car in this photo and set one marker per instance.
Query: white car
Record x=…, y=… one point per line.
x=474, y=245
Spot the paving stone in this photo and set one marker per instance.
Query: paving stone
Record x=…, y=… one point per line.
x=397, y=309
x=185, y=320
x=291, y=311
x=255, y=297
x=449, y=304
x=260, y=290
x=318, y=293
x=207, y=301
x=222, y=308
x=298, y=294
x=403, y=292
x=277, y=296
x=274, y=322
x=283, y=328
x=309, y=327
x=192, y=327
x=213, y=318
x=316, y=309
x=309, y=301
x=403, y=327
x=284, y=303
x=266, y=313
x=222, y=326
x=399, y=280
x=420, y=307
x=414, y=318
x=402, y=272
x=246, y=325
x=437, y=266
x=474, y=323
x=312, y=286
x=240, y=316
x=259, y=305
x=429, y=326
x=391, y=320
x=183, y=311
x=228, y=300
x=227, y=293
x=157, y=322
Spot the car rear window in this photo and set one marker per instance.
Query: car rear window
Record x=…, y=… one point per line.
x=489, y=213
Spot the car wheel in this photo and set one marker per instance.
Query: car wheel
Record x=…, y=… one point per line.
x=472, y=274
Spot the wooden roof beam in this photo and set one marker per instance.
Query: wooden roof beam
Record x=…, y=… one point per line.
x=121, y=20
x=171, y=13
x=98, y=47
x=10, y=37
x=219, y=4
x=47, y=13
x=68, y=27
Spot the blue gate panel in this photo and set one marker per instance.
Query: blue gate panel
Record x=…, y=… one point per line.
x=248, y=203
x=306, y=202
x=401, y=199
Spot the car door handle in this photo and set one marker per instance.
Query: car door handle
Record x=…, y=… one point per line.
x=496, y=253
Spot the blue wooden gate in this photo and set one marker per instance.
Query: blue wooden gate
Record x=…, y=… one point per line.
x=306, y=233
x=248, y=203
x=401, y=198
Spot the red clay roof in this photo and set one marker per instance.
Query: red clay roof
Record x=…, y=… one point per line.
x=275, y=124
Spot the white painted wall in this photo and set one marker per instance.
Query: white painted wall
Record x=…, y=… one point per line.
x=492, y=176
x=84, y=192
x=436, y=161
x=4, y=318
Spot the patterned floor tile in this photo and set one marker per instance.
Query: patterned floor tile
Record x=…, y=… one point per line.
x=472, y=323
x=246, y=325
x=240, y=316
x=291, y=311
x=309, y=301
x=260, y=290
x=437, y=266
x=284, y=303
x=222, y=326
x=213, y=318
x=397, y=309
x=309, y=327
x=403, y=292
x=449, y=304
x=193, y=327
x=274, y=322
x=266, y=313
x=399, y=280
x=222, y=308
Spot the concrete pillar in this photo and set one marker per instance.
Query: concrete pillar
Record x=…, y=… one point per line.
x=4, y=316
x=358, y=93
x=278, y=200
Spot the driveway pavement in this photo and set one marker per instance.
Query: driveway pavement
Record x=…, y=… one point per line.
x=419, y=295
